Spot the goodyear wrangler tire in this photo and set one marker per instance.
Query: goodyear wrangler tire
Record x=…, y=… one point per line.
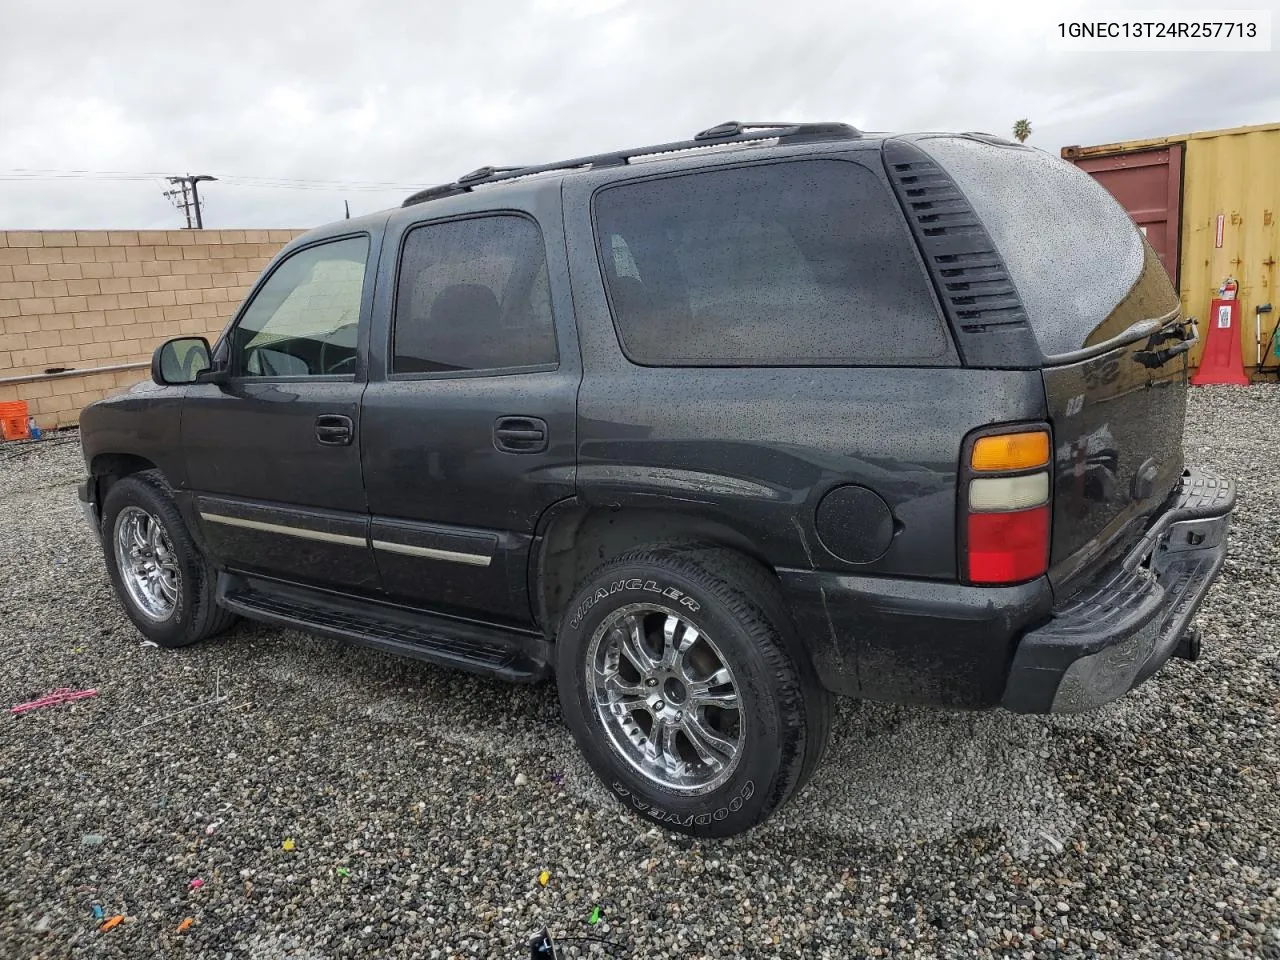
x=680, y=693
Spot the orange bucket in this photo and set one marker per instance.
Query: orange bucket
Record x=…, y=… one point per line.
x=13, y=420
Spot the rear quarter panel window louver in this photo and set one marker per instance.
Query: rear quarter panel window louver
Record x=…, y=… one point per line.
x=973, y=285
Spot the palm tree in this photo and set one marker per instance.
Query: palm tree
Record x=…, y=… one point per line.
x=1022, y=130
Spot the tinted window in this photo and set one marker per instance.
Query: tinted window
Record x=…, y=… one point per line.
x=794, y=263
x=304, y=319
x=473, y=295
x=1072, y=251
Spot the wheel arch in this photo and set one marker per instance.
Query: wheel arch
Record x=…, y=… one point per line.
x=106, y=469
x=575, y=539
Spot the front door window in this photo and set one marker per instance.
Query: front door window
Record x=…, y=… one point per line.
x=303, y=321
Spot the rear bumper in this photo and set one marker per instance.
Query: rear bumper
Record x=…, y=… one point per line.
x=1122, y=628
x=954, y=645
x=912, y=641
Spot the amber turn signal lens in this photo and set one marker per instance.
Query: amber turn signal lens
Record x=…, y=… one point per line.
x=1011, y=451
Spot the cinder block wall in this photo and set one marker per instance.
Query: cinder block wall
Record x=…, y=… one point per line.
x=91, y=299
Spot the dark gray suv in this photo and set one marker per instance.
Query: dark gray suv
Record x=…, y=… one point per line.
x=711, y=430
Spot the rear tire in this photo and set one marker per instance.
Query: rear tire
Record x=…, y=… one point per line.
x=762, y=587
x=707, y=770
x=165, y=584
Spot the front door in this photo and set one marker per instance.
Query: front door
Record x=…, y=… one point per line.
x=469, y=435
x=273, y=455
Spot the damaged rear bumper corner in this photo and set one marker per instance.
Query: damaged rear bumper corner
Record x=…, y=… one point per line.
x=1121, y=629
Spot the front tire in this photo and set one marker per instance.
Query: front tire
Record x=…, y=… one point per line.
x=676, y=682
x=163, y=581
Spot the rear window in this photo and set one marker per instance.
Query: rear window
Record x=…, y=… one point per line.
x=800, y=263
x=1072, y=251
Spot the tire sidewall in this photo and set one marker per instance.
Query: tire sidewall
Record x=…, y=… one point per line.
x=176, y=629
x=742, y=800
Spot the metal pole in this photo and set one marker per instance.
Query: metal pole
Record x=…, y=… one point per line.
x=1257, y=335
x=195, y=197
x=195, y=202
x=78, y=372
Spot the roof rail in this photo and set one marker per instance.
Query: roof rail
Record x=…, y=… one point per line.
x=733, y=131
x=484, y=173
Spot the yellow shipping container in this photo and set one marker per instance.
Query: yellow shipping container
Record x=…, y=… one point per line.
x=1229, y=174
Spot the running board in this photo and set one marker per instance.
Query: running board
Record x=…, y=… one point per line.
x=513, y=655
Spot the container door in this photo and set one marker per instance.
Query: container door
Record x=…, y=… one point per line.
x=1148, y=184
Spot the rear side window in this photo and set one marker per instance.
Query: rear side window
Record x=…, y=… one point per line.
x=473, y=295
x=802, y=263
x=1071, y=250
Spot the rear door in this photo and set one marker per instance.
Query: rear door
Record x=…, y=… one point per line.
x=1090, y=284
x=272, y=456
x=468, y=428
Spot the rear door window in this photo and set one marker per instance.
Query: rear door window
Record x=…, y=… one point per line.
x=473, y=295
x=801, y=263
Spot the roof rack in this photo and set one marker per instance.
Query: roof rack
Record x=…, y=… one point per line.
x=733, y=131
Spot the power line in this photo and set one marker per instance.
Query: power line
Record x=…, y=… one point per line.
x=284, y=183
x=359, y=187
x=76, y=175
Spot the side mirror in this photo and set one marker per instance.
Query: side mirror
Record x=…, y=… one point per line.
x=180, y=361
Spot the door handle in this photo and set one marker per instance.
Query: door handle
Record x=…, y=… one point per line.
x=334, y=430
x=520, y=434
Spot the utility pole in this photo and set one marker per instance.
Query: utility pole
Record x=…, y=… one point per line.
x=180, y=190
x=185, y=188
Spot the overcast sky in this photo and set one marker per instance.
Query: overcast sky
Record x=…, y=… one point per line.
x=416, y=92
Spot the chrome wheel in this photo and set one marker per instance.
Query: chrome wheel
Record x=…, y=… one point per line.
x=666, y=697
x=147, y=563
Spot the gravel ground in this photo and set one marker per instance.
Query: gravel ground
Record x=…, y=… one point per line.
x=421, y=806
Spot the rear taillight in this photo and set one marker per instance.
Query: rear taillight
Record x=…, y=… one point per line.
x=1008, y=547
x=1005, y=504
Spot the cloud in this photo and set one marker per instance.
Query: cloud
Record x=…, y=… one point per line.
x=414, y=93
